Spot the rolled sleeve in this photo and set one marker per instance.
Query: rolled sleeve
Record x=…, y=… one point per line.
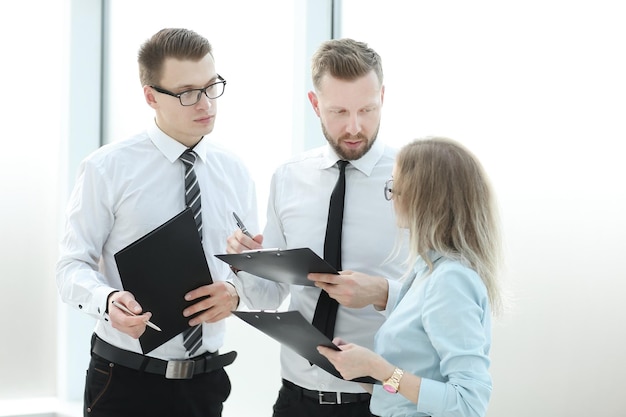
x=259, y=293
x=392, y=296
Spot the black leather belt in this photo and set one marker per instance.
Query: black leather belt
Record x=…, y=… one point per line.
x=324, y=397
x=178, y=369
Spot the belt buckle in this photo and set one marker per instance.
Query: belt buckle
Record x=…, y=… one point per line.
x=336, y=400
x=179, y=369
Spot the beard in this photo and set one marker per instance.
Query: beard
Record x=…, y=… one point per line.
x=350, y=154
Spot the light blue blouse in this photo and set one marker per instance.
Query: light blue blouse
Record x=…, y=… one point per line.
x=440, y=329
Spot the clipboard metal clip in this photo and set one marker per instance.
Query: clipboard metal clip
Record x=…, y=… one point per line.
x=265, y=311
x=251, y=252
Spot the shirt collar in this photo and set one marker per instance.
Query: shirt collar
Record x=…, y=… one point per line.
x=365, y=164
x=170, y=147
x=421, y=266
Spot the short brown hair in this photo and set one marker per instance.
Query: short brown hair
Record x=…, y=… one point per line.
x=183, y=44
x=345, y=59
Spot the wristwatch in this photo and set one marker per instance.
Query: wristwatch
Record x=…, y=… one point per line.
x=392, y=384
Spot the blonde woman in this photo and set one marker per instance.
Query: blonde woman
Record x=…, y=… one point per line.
x=432, y=353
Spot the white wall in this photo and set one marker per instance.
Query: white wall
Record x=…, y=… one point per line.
x=30, y=116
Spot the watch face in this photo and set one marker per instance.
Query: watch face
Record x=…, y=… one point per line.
x=390, y=389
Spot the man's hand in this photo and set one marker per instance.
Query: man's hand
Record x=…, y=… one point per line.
x=353, y=289
x=134, y=326
x=239, y=242
x=221, y=299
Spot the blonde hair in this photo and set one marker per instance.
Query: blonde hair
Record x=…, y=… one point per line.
x=443, y=196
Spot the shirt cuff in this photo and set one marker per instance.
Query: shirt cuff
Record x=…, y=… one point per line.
x=238, y=284
x=99, y=302
x=431, y=397
x=392, y=295
x=234, y=293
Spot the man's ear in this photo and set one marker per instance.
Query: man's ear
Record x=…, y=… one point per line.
x=314, y=102
x=148, y=94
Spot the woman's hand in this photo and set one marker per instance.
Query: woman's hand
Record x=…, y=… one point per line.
x=354, y=361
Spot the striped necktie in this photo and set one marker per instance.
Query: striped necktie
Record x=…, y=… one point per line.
x=192, y=337
x=326, y=309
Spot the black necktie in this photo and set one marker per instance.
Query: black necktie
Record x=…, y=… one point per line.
x=192, y=337
x=326, y=309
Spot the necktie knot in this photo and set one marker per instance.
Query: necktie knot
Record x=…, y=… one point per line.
x=189, y=158
x=342, y=164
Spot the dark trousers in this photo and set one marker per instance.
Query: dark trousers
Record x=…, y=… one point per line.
x=116, y=391
x=292, y=404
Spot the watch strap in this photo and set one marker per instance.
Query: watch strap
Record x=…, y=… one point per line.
x=392, y=384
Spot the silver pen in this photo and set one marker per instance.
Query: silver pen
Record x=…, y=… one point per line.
x=241, y=225
x=124, y=309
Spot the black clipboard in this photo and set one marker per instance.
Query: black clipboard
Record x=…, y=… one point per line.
x=291, y=329
x=289, y=266
x=159, y=269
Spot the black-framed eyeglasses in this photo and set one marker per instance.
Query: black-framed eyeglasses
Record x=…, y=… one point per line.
x=389, y=190
x=191, y=97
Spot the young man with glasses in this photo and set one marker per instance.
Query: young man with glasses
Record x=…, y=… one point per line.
x=348, y=97
x=125, y=190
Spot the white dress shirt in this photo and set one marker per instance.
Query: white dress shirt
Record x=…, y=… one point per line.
x=296, y=217
x=126, y=189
